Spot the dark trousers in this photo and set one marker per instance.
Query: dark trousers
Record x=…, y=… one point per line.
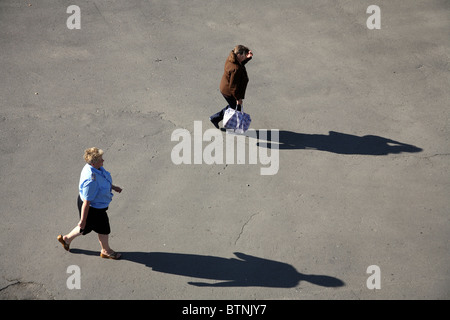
x=217, y=117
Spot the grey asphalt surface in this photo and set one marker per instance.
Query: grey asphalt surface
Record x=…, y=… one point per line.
x=363, y=120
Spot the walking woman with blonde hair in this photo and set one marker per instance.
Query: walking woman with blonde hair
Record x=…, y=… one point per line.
x=93, y=201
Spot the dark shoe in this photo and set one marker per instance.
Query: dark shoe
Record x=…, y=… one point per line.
x=215, y=123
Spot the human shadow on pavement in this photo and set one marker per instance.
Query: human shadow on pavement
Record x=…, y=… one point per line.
x=335, y=142
x=247, y=271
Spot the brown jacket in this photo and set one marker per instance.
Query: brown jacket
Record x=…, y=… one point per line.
x=234, y=80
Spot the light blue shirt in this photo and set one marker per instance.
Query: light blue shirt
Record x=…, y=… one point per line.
x=95, y=186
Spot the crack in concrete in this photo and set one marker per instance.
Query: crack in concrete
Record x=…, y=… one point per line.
x=436, y=155
x=244, y=225
x=25, y=290
x=11, y=284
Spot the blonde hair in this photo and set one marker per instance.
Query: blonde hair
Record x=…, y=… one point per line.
x=92, y=155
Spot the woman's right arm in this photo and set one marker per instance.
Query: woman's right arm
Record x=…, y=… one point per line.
x=84, y=214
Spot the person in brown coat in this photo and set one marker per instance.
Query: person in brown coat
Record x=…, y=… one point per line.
x=234, y=81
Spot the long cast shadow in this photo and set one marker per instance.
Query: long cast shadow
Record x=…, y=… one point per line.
x=247, y=271
x=336, y=142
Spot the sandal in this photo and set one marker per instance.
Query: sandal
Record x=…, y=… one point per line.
x=114, y=255
x=64, y=244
